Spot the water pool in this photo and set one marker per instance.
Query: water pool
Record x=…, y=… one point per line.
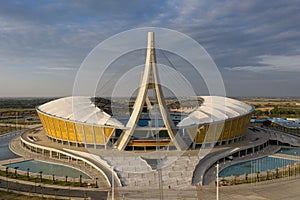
x=5, y=152
x=290, y=151
x=252, y=166
x=36, y=166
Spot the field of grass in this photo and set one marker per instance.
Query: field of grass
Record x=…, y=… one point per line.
x=273, y=107
x=8, y=129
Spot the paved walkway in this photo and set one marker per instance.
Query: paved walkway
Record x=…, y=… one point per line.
x=277, y=190
x=284, y=156
x=284, y=189
x=14, y=160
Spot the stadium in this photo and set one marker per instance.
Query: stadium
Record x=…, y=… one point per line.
x=149, y=122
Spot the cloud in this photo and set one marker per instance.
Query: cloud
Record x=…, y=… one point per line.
x=241, y=36
x=272, y=64
x=58, y=68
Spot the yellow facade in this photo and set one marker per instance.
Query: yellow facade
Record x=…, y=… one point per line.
x=84, y=133
x=99, y=133
x=225, y=131
x=201, y=132
x=210, y=133
x=88, y=132
x=219, y=131
x=79, y=133
x=71, y=131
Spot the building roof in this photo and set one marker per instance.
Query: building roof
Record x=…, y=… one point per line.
x=82, y=109
x=79, y=108
x=214, y=109
x=287, y=123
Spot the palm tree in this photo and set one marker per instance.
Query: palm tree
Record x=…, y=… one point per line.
x=246, y=178
x=80, y=180
x=16, y=172
x=41, y=176
x=235, y=179
x=96, y=185
x=6, y=171
x=277, y=172
x=268, y=174
x=257, y=176
x=28, y=174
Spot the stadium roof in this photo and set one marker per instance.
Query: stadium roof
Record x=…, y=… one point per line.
x=82, y=109
x=293, y=124
x=79, y=108
x=215, y=108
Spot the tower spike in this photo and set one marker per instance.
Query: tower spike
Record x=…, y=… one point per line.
x=150, y=80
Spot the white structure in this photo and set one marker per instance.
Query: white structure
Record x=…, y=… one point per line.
x=149, y=81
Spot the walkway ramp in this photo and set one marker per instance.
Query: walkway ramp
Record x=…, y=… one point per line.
x=14, y=160
x=285, y=156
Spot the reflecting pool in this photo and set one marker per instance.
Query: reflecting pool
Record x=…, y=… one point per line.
x=253, y=166
x=5, y=152
x=36, y=166
x=290, y=151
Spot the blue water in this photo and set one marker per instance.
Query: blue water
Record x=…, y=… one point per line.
x=5, y=152
x=248, y=167
x=290, y=151
x=36, y=166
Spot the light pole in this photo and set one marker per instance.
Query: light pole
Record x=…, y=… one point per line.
x=217, y=177
x=112, y=183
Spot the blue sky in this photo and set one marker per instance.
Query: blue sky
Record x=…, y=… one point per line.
x=255, y=43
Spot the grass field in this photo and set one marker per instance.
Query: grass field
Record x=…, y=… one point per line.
x=273, y=107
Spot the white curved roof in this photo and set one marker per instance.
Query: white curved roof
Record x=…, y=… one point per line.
x=82, y=109
x=215, y=108
x=79, y=108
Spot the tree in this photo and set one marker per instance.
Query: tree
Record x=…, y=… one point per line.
x=246, y=178
x=16, y=172
x=257, y=176
x=28, y=174
x=268, y=174
x=41, y=176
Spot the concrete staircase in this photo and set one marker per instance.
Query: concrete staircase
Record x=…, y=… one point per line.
x=138, y=171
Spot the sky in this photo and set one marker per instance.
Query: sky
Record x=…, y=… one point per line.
x=254, y=43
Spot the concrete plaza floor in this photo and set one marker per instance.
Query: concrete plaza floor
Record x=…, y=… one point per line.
x=281, y=189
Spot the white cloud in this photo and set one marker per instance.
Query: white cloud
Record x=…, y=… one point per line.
x=58, y=68
x=271, y=63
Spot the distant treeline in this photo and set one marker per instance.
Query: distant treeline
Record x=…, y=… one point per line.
x=279, y=112
x=23, y=102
